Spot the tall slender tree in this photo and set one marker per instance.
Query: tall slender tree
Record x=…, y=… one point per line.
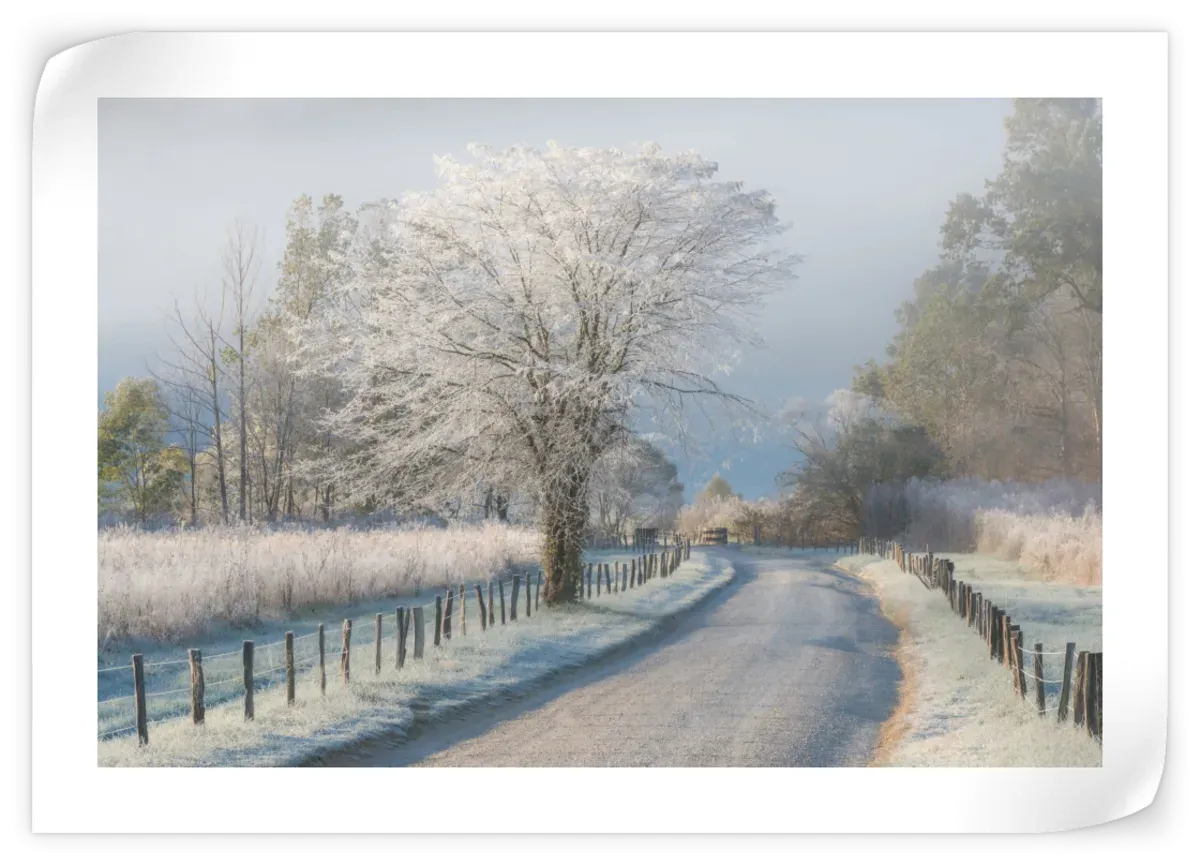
x=198, y=342
x=239, y=270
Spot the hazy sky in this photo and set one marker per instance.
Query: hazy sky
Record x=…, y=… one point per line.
x=864, y=184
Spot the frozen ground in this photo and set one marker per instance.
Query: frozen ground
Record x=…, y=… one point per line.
x=958, y=706
x=790, y=665
x=471, y=670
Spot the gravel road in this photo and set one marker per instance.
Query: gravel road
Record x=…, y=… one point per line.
x=789, y=665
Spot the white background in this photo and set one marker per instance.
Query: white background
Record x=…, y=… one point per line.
x=580, y=65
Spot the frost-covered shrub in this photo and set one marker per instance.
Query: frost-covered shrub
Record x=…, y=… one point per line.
x=1053, y=527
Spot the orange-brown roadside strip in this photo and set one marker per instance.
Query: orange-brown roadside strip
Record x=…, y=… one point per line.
x=892, y=730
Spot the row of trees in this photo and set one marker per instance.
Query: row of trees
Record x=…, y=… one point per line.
x=239, y=417
x=227, y=428
x=494, y=343
x=996, y=370
x=998, y=356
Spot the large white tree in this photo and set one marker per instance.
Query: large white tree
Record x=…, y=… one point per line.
x=505, y=327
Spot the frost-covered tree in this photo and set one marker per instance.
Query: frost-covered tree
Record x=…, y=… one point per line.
x=634, y=486
x=286, y=410
x=505, y=327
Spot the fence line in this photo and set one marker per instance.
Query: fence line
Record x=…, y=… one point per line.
x=598, y=577
x=1003, y=638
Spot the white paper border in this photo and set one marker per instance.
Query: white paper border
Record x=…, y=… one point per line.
x=1129, y=71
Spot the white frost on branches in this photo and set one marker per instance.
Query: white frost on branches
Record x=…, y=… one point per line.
x=502, y=328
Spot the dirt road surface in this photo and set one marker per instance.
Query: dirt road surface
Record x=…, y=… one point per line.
x=790, y=665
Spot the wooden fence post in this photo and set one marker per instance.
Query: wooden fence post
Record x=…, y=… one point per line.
x=624, y=575
x=289, y=666
x=248, y=678
x=607, y=579
x=1019, y=661
x=998, y=634
x=1080, y=673
x=462, y=608
x=437, y=621
x=538, y=591
x=139, y=701
x=516, y=594
x=1064, y=693
x=401, y=635
x=321, y=656
x=503, y=616
x=482, y=607
x=448, y=620
x=418, y=625
x=491, y=611
x=378, y=643
x=528, y=596
x=196, y=669
x=1091, y=695
x=1039, y=686
x=347, y=626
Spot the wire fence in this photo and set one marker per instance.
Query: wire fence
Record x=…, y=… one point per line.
x=641, y=541
x=174, y=688
x=1071, y=680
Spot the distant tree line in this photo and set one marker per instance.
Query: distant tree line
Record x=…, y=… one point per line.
x=996, y=370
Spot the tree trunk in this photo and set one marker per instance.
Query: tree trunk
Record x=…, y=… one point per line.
x=215, y=396
x=243, y=468
x=564, y=518
x=192, y=486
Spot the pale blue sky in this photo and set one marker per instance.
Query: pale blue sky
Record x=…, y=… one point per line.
x=864, y=183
